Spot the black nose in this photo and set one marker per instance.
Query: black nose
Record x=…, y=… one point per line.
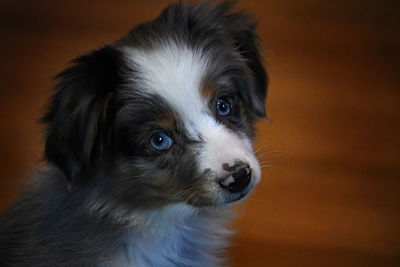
x=237, y=181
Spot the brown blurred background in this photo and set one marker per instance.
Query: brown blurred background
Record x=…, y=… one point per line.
x=332, y=194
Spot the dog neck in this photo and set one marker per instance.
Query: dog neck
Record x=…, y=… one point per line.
x=178, y=235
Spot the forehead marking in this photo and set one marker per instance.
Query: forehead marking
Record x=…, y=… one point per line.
x=176, y=73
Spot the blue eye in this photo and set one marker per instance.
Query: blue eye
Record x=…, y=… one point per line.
x=223, y=107
x=161, y=141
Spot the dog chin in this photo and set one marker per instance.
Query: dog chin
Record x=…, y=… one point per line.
x=231, y=200
x=237, y=198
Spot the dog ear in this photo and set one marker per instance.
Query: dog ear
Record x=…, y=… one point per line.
x=78, y=118
x=246, y=40
x=248, y=47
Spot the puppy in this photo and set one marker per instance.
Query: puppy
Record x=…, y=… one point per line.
x=149, y=144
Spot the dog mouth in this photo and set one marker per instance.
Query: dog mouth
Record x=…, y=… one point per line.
x=220, y=197
x=237, y=198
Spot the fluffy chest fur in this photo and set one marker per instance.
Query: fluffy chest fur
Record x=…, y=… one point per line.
x=178, y=236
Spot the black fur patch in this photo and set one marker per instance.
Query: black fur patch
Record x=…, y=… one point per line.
x=80, y=114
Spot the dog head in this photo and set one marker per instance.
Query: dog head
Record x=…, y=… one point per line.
x=166, y=114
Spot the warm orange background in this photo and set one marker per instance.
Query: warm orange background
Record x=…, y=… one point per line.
x=332, y=195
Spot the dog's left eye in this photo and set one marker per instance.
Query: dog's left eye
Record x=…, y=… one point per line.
x=223, y=107
x=161, y=141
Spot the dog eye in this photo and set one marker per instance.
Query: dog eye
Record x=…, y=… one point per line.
x=161, y=141
x=223, y=107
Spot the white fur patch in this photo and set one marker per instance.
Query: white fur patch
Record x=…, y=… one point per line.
x=175, y=73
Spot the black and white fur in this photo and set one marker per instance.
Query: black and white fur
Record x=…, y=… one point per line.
x=109, y=197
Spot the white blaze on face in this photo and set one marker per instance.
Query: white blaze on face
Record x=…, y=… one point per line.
x=175, y=73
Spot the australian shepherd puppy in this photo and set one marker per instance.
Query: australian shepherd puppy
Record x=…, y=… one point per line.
x=149, y=144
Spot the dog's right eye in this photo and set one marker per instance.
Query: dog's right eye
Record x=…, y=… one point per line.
x=161, y=141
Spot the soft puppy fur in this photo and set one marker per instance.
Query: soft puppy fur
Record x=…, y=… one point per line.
x=149, y=144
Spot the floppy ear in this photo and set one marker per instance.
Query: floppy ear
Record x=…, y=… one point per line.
x=79, y=114
x=248, y=46
x=247, y=41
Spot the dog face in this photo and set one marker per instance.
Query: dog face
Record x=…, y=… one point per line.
x=166, y=114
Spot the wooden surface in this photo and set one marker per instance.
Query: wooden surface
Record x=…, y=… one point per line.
x=332, y=194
